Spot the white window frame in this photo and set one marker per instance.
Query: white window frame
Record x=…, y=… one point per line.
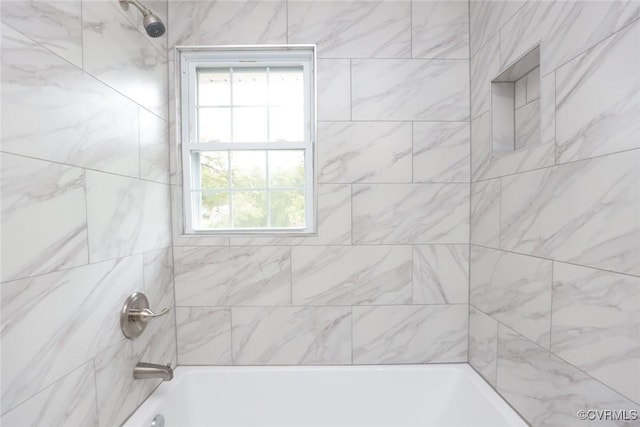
x=192, y=58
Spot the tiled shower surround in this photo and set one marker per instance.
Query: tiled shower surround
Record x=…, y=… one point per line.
x=555, y=229
x=386, y=278
x=85, y=210
x=428, y=250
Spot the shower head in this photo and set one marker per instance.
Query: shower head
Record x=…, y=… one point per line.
x=152, y=24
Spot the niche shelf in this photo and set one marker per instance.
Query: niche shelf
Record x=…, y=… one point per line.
x=515, y=106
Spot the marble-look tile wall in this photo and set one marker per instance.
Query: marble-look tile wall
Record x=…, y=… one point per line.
x=555, y=229
x=85, y=210
x=386, y=278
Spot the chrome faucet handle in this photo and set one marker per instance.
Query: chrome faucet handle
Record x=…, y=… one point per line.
x=135, y=315
x=144, y=314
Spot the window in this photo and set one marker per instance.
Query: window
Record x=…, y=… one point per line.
x=248, y=139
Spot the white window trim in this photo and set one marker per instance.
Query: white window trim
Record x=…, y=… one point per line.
x=192, y=57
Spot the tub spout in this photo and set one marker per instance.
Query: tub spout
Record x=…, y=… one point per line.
x=144, y=371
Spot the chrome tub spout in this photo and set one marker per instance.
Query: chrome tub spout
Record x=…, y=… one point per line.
x=144, y=371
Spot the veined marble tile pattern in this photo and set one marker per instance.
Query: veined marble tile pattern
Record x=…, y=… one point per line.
x=369, y=275
x=422, y=213
x=296, y=335
x=31, y=246
x=64, y=129
x=41, y=95
x=441, y=151
x=392, y=143
x=596, y=324
x=364, y=152
x=52, y=407
x=410, y=89
x=483, y=344
x=353, y=29
x=55, y=25
x=440, y=29
x=410, y=334
x=545, y=389
x=513, y=289
x=566, y=332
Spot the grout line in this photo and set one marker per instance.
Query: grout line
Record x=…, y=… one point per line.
x=86, y=219
x=558, y=165
x=470, y=188
x=562, y=360
x=551, y=305
x=555, y=260
x=233, y=363
x=95, y=386
x=495, y=389
x=86, y=168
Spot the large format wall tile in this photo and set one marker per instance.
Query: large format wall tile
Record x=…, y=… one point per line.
x=484, y=66
x=485, y=213
x=126, y=216
x=61, y=314
x=44, y=225
x=227, y=23
x=440, y=29
x=353, y=29
x=333, y=222
x=204, y=335
x=52, y=110
x=159, y=342
x=410, y=213
x=52, y=406
x=584, y=212
x=226, y=276
x=116, y=53
x=441, y=151
x=486, y=18
x=55, y=25
x=410, y=89
x=154, y=147
x=563, y=29
x=441, y=274
x=334, y=275
x=546, y=390
x=596, y=325
x=514, y=289
x=291, y=335
x=333, y=87
x=483, y=344
x=598, y=99
x=118, y=393
x=410, y=334
x=364, y=152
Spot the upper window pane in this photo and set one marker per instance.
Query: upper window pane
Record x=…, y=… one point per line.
x=250, y=86
x=286, y=87
x=214, y=87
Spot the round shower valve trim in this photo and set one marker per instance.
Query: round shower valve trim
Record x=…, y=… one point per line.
x=136, y=313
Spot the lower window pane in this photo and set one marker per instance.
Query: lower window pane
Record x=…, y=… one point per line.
x=287, y=208
x=211, y=210
x=249, y=209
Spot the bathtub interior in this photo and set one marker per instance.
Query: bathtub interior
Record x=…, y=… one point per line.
x=427, y=395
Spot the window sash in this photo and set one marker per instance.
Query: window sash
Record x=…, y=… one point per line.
x=190, y=65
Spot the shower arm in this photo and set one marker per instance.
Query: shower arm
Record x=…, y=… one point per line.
x=125, y=5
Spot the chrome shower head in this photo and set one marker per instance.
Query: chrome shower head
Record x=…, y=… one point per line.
x=152, y=24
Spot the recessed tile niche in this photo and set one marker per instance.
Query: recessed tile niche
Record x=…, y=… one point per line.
x=515, y=106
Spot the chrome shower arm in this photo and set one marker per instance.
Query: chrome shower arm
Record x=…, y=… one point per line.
x=137, y=4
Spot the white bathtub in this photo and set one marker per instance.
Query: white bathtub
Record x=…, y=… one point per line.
x=410, y=395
